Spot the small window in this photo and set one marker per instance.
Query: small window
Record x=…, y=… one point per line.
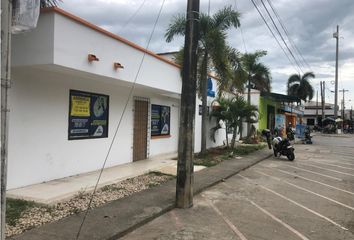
x=160, y=120
x=88, y=115
x=310, y=122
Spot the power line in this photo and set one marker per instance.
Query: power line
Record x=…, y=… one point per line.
x=281, y=36
x=132, y=16
x=119, y=122
x=243, y=39
x=287, y=33
x=271, y=31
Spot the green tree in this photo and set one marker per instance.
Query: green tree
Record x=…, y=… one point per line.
x=300, y=86
x=233, y=112
x=212, y=49
x=249, y=71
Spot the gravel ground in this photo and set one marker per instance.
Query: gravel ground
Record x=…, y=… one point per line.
x=36, y=216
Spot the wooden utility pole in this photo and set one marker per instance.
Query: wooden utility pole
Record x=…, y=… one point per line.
x=6, y=14
x=184, y=185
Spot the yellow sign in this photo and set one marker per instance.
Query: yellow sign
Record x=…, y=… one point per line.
x=80, y=106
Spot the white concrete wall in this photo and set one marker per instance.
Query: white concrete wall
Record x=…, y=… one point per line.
x=220, y=135
x=39, y=149
x=35, y=47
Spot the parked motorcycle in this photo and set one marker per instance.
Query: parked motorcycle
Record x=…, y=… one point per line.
x=280, y=146
x=308, y=138
x=290, y=134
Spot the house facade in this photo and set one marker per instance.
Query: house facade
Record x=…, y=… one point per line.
x=73, y=84
x=313, y=112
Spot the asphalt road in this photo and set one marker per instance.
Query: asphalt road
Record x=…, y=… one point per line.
x=310, y=198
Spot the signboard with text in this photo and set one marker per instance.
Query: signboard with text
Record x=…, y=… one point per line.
x=88, y=115
x=160, y=120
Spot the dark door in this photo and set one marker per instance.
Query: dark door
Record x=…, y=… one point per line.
x=140, y=130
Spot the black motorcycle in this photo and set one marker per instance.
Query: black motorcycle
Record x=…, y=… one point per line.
x=308, y=138
x=280, y=146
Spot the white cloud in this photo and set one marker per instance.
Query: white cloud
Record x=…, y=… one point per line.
x=310, y=24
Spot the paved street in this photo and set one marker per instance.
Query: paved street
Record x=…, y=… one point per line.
x=310, y=198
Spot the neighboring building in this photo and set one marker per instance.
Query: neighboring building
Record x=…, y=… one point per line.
x=71, y=82
x=169, y=55
x=313, y=109
x=277, y=111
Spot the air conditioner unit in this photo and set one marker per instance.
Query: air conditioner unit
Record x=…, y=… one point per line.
x=25, y=15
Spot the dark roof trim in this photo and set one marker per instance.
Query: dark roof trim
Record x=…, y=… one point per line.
x=280, y=97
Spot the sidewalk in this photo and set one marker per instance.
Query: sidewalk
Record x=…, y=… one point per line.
x=116, y=219
x=55, y=191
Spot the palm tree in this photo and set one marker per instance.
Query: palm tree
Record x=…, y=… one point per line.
x=233, y=112
x=300, y=86
x=240, y=110
x=211, y=52
x=221, y=115
x=248, y=68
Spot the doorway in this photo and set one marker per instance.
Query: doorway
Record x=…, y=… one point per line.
x=141, y=113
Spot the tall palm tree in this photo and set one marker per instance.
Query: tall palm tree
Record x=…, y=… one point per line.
x=248, y=69
x=300, y=86
x=212, y=51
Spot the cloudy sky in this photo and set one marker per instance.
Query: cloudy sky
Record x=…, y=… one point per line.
x=310, y=25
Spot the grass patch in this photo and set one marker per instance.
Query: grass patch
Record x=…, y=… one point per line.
x=216, y=155
x=15, y=208
x=245, y=149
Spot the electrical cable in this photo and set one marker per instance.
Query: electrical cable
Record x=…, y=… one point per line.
x=281, y=36
x=287, y=34
x=271, y=31
x=132, y=16
x=119, y=122
x=243, y=39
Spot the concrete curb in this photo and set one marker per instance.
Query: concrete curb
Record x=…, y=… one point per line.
x=118, y=218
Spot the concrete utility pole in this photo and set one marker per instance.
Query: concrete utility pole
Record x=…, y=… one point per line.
x=184, y=184
x=316, y=107
x=336, y=36
x=6, y=14
x=343, y=106
x=323, y=101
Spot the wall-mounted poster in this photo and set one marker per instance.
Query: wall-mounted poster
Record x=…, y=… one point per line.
x=88, y=115
x=160, y=120
x=280, y=124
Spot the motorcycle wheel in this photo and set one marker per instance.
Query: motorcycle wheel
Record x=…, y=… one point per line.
x=291, y=156
x=275, y=153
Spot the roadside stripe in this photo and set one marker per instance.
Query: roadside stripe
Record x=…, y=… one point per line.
x=329, y=164
x=297, y=204
x=311, y=180
x=341, y=162
x=226, y=220
x=323, y=175
x=306, y=190
x=331, y=170
x=279, y=221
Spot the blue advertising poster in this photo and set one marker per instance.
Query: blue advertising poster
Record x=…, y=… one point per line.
x=160, y=120
x=88, y=115
x=280, y=124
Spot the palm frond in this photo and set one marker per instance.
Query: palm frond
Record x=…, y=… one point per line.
x=176, y=27
x=226, y=18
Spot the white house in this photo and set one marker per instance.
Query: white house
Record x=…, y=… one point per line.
x=70, y=83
